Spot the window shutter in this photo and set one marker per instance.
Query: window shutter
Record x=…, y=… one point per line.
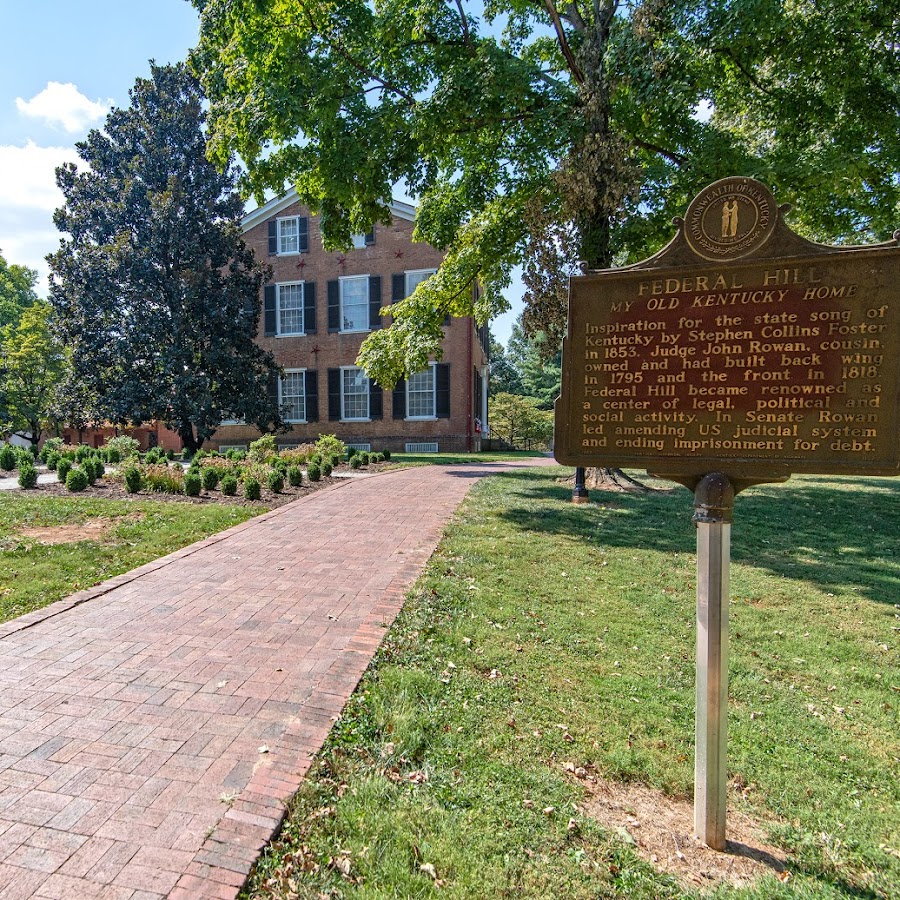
x=309, y=307
x=273, y=237
x=272, y=389
x=398, y=286
x=400, y=399
x=442, y=390
x=447, y=319
x=370, y=237
x=312, y=395
x=270, y=321
x=376, y=401
x=334, y=306
x=303, y=233
x=334, y=394
x=374, y=302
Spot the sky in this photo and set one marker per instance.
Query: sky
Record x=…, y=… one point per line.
x=63, y=67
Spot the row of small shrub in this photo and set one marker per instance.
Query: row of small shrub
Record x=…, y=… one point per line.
x=15, y=457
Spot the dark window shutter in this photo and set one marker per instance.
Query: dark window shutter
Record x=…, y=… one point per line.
x=376, y=401
x=272, y=389
x=447, y=319
x=442, y=390
x=303, y=233
x=309, y=307
x=334, y=306
x=374, y=302
x=312, y=395
x=400, y=400
x=273, y=237
x=398, y=286
x=334, y=394
x=270, y=319
x=370, y=237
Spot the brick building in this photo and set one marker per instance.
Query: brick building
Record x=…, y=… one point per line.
x=318, y=309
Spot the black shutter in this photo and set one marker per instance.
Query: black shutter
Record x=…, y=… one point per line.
x=302, y=233
x=334, y=306
x=400, y=400
x=334, y=394
x=447, y=319
x=370, y=237
x=374, y=302
x=272, y=389
x=270, y=320
x=398, y=286
x=312, y=395
x=376, y=401
x=309, y=307
x=442, y=390
x=273, y=237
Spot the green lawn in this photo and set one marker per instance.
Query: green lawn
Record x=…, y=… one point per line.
x=33, y=574
x=544, y=633
x=454, y=459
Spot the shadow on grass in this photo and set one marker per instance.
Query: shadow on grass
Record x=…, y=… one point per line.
x=834, y=534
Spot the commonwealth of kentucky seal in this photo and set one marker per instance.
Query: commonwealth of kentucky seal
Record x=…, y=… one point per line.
x=730, y=219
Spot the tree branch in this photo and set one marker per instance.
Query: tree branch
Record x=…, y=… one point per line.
x=563, y=42
x=670, y=155
x=465, y=23
x=726, y=51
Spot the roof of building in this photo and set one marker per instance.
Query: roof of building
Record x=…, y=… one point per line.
x=278, y=204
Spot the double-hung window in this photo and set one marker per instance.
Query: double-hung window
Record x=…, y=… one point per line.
x=354, y=394
x=289, y=298
x=354, y=303
x=420, y=394
x=416, y=277
x=288, y=235
x=292, y=395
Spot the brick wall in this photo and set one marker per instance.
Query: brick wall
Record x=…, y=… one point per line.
x=392, y=253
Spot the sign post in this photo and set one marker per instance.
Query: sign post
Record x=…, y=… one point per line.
x=740, y=354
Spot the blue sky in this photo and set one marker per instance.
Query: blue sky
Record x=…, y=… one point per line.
x=63, y=66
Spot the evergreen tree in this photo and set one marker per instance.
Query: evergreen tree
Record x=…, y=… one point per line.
x=154, y=290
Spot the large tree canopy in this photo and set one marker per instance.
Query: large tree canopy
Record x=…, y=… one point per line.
x=548, y=132
x=154, y=290
x=16, y=291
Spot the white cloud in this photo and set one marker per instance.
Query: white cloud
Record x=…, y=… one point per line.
x=28, y=197
x=63, y=105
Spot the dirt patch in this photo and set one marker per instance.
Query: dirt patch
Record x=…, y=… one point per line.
x=661, y=830
x=94, y=530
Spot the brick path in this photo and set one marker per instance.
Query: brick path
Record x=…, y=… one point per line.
x=134, y=717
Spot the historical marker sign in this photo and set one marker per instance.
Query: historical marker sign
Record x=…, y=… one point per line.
x=740, y=348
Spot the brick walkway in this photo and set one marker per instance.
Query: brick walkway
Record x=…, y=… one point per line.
x=152, y=728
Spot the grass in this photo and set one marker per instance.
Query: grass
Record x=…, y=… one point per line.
x=33, y=575
x=544, y=633
x=404, y=460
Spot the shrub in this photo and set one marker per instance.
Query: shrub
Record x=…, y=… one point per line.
x=52, y=460
x=229, y=485
x=63, y=467
x=210, y=477
x=123, y=446
x=379, y=457
x=351, y=452
x=326, y=468
x=252, y=489
x=355, y=461
x=363, y=458
x=275, y=481
x=7, y=458
x=316, y=459
x=386, y=454
x=83, y=452
x=27, y=476
x=163, y=479
x=313, y=472
x=262, y=448
x=295, y=476
x=113, y=455
x=87, y=466
x=51, y=445
x=297, y=456
x=134, y=481
x=170, y=454
x=328, y=444
x=23, y=457
x=99, y=468
x=192, y=485
x=76, y=480
x=335, y=460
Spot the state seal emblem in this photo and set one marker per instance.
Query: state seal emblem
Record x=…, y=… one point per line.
x=730, y=219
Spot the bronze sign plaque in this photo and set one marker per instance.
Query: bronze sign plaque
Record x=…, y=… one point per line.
x=740, y=348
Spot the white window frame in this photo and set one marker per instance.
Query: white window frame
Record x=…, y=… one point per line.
x=278, y=287
x=426, y=272
x=433, y=416
x=280, y=236
x=281, y=394
x=345, y=279
x=344, y=417
x=359, y=241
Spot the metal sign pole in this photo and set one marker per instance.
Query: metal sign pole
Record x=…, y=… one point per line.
x=713, y=505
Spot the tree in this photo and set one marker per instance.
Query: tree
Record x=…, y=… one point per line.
x=550, y=132
x=33, y=365
x=519, y=421
x=504, y=377
x=155, y=291
x=16, y=291
x=539, y=370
